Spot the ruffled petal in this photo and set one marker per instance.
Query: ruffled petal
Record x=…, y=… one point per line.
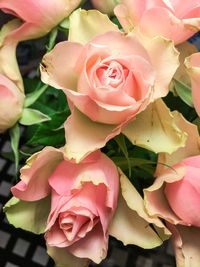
x=35, y=174
x=58, y=66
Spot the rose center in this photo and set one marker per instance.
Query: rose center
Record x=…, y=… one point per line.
x=112, y=74
x=71, y=224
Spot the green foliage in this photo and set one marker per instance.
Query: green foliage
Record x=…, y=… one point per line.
x=184, y=92
x=32, y=97
x=32, y=116
x=53, y=104
x=51, y=133
x=175, y=103
x=137, y=163
x=15, y=137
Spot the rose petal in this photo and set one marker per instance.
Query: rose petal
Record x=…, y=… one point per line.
x=63, y=258
x=73, y=176
x=193, y=69
x=186, y=242
x=33, y=215
x=64, y=54
x=121, y=44
x=187, y=208
x=93, y=246
x=169, y=27
x=101, y=112
x=191, y=148
x=9, y=66
x=167, y=64
x=155, y=202
x=156, y=121
x=186, y=49
x=84, y=136
x=86, y=24
x=35, y=175
x=132, y=217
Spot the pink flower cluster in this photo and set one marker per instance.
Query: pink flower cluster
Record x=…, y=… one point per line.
x=113, y=79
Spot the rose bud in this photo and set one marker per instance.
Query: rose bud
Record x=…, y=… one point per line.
x=175, y=20
x=83, y=200
x=183, y=195
x=11, y=103
x=39, y=17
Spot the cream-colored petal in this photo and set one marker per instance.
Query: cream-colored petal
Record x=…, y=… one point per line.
x=165, y=68
x=186, y=242
x=132, y=217
x=9, y=66
x=155, y=201
x=155, y=129
x=191, y=148
x=58, y=66
x=84, y=136
x=128, y=227
x=28, y=215
x=192, y=64
x=63, y=258
x=185, y=49
x=86, y=24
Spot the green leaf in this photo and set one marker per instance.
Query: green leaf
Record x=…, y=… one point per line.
x=32, y=97
x=52, y=132
x=122, y=145
x=33, y=116
x=134, y=162
x=15, y=137
x=52, y=39
x=65, y=24
x=30, y=216
x=184, y=92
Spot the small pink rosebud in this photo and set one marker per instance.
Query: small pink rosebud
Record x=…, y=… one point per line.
x=11, y=103
x=39, y=17
x=184, y=195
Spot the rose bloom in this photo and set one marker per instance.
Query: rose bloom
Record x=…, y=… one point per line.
x=39, y=17
x=105, y=6
x=110, y=79
x=83, y=199
x=175, y=195
x=176, y=20
x=11, y=103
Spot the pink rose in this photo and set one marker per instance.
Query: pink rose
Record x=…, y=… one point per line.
x=83, y=199
x=110, y=79
x=175, y=197
x=183, y=195
x=175, y=194
x=175, y=20
x=105, y=6
x=39, y=17
x=11, y=103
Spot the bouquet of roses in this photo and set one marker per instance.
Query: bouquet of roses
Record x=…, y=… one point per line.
x=111, y=124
